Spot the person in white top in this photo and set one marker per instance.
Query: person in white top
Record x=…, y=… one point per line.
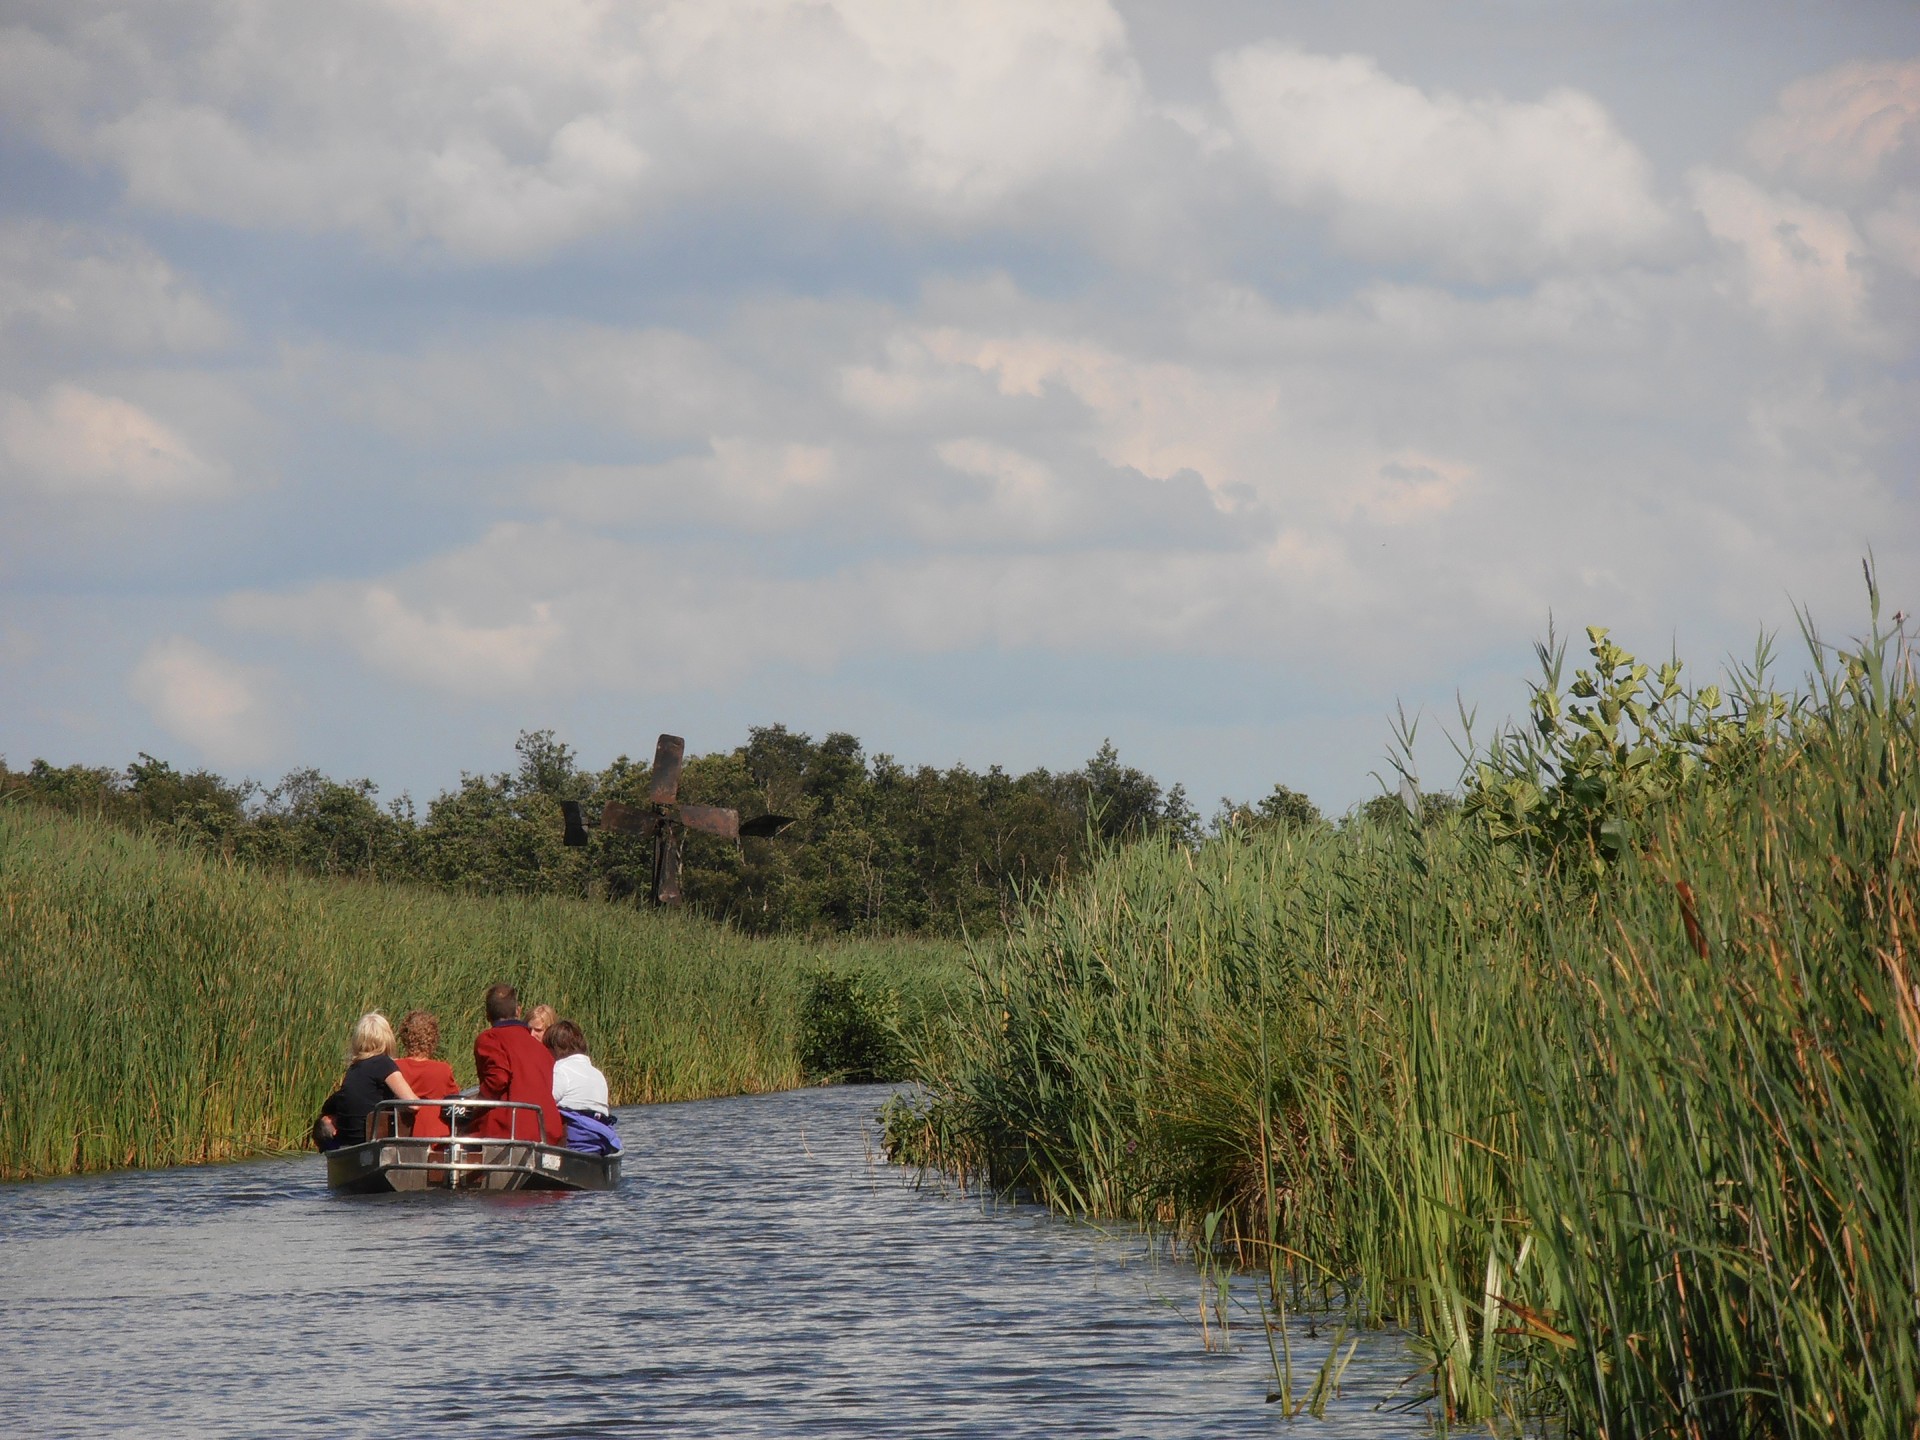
x=577, y=1083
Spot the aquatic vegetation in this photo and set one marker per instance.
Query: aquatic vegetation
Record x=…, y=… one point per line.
x=159, y=1007
x=1617, y=1111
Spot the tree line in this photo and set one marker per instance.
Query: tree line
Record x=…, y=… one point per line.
x=878, y=845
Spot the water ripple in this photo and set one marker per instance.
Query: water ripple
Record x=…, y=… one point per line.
x=758, y=1274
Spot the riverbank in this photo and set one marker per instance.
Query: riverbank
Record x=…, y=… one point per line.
x=1623, y=1128
x=158, y=1007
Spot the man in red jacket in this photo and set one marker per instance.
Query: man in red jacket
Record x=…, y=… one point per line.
x=514, y=1066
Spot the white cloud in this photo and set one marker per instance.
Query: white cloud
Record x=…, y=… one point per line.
x=74, y=443
x=1155, y=416
x=223, y=709
x=1025, y=493
x=1370, y=493
x=1843, y=125
x=76, y=287
x=503, y=131
x=628, y=616
x=1800, y=262
x=842, y=441
x=1410, y=487
x=439, y=642
x=447, y=651
x=1483, y=187
x=664, y=384
x=1379, y=474
x=1894, y=230
x=742, y=481
x=962, y=106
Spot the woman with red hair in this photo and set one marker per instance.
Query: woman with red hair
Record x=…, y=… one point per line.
x=429, y=1078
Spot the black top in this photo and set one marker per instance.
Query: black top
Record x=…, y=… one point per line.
x=364, y=1088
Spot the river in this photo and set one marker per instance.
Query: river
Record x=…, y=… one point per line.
x=761, y=1271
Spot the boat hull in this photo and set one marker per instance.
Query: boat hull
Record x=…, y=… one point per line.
x=404, y=1163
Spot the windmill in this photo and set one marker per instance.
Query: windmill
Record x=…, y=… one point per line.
x=667, y=820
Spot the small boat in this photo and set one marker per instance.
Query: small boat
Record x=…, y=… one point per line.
x=391, y=1160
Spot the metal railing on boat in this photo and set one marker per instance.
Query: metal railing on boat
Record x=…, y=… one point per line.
x=456, y=1109
x=448, y=1154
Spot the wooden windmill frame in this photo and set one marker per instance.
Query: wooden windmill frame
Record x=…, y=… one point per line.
x=667, y=821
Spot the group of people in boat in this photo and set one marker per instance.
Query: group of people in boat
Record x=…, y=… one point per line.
x=541, y=1061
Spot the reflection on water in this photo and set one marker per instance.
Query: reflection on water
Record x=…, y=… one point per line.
x=759, y=1272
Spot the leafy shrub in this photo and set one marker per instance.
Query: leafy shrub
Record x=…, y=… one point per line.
x=850, y=1028
x=1574, y=782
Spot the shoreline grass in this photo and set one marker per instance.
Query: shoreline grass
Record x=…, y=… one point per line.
x=158, y=1007
x=1631, y=1150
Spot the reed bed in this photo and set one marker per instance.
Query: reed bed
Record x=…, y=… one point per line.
x=1632, y=1154
x=158, y=1007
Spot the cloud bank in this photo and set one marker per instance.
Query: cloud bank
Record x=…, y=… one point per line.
x=465, y=367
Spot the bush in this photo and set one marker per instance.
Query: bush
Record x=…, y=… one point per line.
x=850, y=1028
x=1594, y=762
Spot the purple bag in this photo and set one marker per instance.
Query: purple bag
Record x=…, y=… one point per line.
x=590, y=1133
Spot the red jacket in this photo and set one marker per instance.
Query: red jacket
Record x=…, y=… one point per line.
x=515, y=1066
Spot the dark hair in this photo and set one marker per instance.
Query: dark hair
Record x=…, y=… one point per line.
x=503, y=1002
x=564, y=1039
x=419, y=1033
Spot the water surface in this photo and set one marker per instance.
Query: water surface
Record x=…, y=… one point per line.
x=759, y=1272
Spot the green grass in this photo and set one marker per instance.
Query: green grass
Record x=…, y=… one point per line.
x=158, y=1008
x=1615, y=1174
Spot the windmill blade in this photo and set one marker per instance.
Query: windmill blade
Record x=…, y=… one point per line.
x=666, y=866
x=667, y=757
x=764, y=826
x=711, y=820
x=576, y=825
x=619, y=819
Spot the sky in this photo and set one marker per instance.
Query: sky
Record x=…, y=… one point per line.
x=384, y=378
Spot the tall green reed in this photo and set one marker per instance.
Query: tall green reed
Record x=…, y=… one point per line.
x=157, y=1007
x=1725, y=1192
x=1628, y=1143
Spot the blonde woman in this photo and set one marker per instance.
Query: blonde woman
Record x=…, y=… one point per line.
x=373, y=1075
x=540, y=1020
